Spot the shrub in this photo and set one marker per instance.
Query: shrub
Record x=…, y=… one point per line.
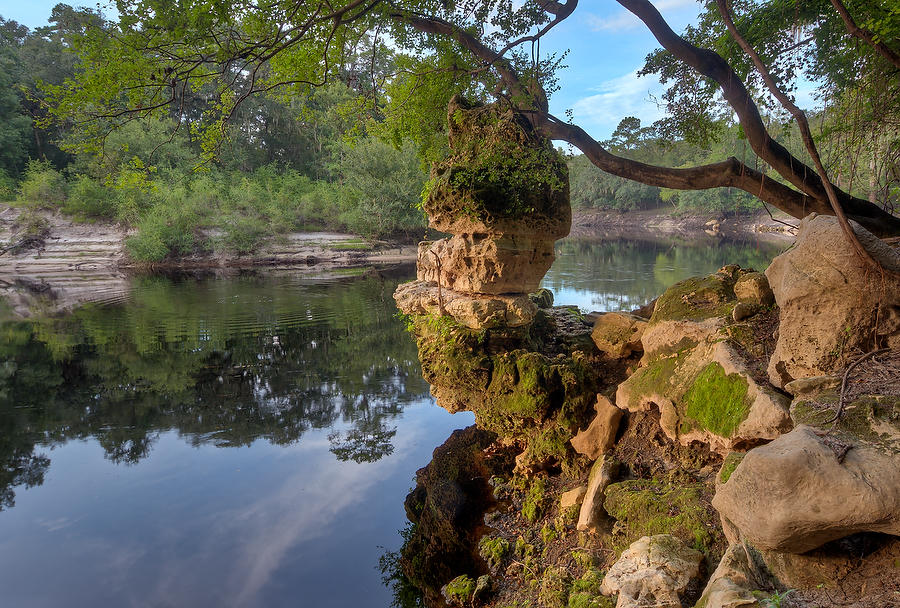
x=7, y=186
x=43, y=187
x=90, y=199
x=166, y=230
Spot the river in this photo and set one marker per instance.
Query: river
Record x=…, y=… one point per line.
x=246, y=441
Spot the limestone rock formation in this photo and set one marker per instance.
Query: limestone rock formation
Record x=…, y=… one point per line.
x=473, y=311
x=484, y=264
x=654, y=572
x=831, y=303
x=600, y=434
x=694, y=372
x=802, y=490
x=503, y=195
x=618, y=334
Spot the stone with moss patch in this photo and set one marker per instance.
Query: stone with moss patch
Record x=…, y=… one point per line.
x=493, y=550
x=695, y=299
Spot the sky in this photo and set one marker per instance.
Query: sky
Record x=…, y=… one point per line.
x=600, y=85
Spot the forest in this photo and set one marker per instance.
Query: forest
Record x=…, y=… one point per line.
x=337, y=156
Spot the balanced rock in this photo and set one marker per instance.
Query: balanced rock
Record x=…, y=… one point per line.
x=802, y=490
x=473, y=311
x=507, y=263
x=501, y=177
x=655, y=571
x=618, y=334
x=831, y=302
x=600, y=435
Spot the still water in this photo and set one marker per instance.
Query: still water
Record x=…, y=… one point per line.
x=244, y=441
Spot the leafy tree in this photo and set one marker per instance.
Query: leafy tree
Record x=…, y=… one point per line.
x=477, y=47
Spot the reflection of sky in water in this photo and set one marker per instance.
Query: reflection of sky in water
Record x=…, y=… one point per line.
x=262, y=525
x=623, y=275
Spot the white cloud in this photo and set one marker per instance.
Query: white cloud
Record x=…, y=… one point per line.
x=626, y=95
x=625, y=20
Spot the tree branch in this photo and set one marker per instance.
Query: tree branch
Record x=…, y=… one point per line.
x=864, y=34
x=805, y=132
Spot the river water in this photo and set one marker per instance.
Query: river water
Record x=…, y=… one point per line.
x=245, y=441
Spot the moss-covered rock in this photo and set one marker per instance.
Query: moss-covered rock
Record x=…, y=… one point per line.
x=528, y=385
x=500, y=174
x=698, y=371
x=459, y=591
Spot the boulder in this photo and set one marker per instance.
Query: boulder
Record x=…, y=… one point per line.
x=473, y=311
x=618, y=334
x=602, y=474
x=693, y=371
x=655, y=571
x=734, y=580
x=600, y=435
x=802, y=490
x=486, y=264
x=831, y=304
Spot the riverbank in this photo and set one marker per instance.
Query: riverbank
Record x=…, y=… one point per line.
x=653, y=223
x=60, y=244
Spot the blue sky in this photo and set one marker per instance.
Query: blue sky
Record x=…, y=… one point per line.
x=600, y=86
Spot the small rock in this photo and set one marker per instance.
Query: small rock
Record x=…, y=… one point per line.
x=600, y=435
x=654, y=572
x=618, y=334
x=542, y=298
x=572, y=497
x=602, y=474
x=743, y=310
x=753, y=288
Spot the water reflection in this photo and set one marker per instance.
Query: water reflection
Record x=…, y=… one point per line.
x=220, y=362
x=626, y=274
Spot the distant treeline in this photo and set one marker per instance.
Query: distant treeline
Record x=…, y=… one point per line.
x=305, y=163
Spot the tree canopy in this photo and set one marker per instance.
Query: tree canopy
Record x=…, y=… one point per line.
x=733, y=63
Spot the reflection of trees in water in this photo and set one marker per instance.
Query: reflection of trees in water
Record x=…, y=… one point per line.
x=625, y=274
x=214, y=361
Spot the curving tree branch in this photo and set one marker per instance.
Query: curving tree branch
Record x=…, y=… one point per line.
x=863, y=34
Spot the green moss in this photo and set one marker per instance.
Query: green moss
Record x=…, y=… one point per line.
x=716, y=402
x=731, y=463
x=646, y=507
x=554, y=591
x=874, y=419
x=695, y=299
x=460, y=590
x=585, y=591
x=548, y=534
x=523, y=548
x=493, y=550
x=535, y=503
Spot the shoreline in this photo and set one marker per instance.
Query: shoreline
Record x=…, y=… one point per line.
x=70, y=246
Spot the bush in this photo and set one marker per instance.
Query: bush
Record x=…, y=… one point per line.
x=167, y=230
x=43, y=187
x=89, y=199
